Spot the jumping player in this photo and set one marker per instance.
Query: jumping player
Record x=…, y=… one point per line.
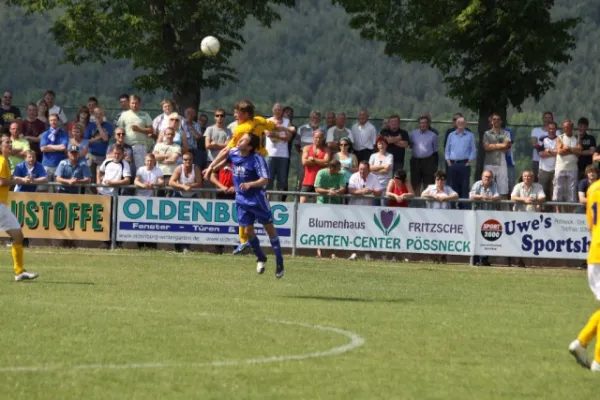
x=592, y=328
x=250, y=177
x=8, y=222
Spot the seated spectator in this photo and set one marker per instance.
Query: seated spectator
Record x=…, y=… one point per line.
x=337, y=132
x=485, y=190
x=72, y=171
x=314, y=158
x=347, y=159
x=330, y=183
x=439, y=192
x=114, y=171
x=167, y=153
x=381, y=164
x=528, y=194
x=29, y=173
x=53, y=144
x=363, y=183
x=591, y=174
x=186, y=177
x=78, y=140
x=148, y=177
x=19, y=146
x=399, y=190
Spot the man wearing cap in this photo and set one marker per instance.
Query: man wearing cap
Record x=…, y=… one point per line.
x=72, y=171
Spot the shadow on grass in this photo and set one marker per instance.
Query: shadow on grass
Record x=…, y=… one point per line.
x=350, y=299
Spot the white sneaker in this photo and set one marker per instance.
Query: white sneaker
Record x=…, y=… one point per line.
x=367, y=257
x=260, y=267
x=579, y=353
x=352, y=256
x=24, y=276
x=595, y=366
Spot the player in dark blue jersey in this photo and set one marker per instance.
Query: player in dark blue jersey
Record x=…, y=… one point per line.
x=250, y=177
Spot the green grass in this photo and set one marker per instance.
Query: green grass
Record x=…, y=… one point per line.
x=430, y=332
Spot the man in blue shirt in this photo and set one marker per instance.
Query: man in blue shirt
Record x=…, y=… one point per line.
x=98, y=134
x=72, y=171
x=53, y=145
x=250, y=177
x=28, y=173
x=460, y=153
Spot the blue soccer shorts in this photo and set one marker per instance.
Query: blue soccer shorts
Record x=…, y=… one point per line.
x=249, y=215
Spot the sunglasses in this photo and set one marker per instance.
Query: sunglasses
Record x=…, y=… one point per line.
x=219, y=115
x=119, y=134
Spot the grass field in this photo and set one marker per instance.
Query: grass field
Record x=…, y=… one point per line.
x=160, y=325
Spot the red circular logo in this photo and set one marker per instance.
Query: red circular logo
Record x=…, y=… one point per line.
x=491, y=230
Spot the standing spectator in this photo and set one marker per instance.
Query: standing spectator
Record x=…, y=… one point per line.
x=42, y=113
x=161, y=122
x=486, y=192
x=547, y=164
x=288, y=112
x=460, y=153
x=186, y=177
x=347, y=159
x=496, y=143
x=397, y=140
x=124, y=105
x=138, y=129
x=29, y=173
x=114, y=171
x=336, y=132
x=180, y=138
x=363, y=183
x=216, y=136
x=314, y=158
x=234, y=123
x=424, y=144
x=453, y=128
x=82, y=118
x=53, y=108
x=53, y=144
x=588, y=147
x=127, y=149
x=72, y=171
x=330, y=183
x=195, y=137
x=92, y=103
x=330, y=120
x=148, y=178
x=381, y=164
x=167, y=153
x=276, y=144
x=203, y=121
x=33, y=128
x=19, y=146
x=363, y=136
x=528, y=194
x=591, y=176
x=440, y=193
x=510, y=159
x=305, y=137
x=8, y=112
x=566, y=174
x=98, y=134
x=399, y=190
x=78, y=140
x=536, y=134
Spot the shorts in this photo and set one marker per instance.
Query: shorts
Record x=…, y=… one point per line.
x=248, y=215
x=8, y=221
x=501, y=176
x=593, y=272
x=307, y=189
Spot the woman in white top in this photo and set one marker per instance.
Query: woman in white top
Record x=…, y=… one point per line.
x=161, y=122
x=381, y=165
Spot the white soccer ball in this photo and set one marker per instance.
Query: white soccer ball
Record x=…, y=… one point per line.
x=210, y=46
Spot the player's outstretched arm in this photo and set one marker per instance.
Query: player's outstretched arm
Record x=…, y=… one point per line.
x=218, y=162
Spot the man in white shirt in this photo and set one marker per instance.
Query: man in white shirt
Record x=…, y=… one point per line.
x=363, y=183
x=148, y=177
x=276, y=144
x=337, y=132
x=49, y=97
x=537, y=133
x=114, y=171
x=547, y=164
x=566, y=173
x=363, y=136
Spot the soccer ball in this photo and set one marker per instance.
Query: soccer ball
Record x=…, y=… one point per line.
x=210, y=46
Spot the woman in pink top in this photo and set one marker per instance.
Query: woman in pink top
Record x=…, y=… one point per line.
x=314, y=158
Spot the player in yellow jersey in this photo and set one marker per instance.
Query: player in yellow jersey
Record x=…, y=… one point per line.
x=592, y=328
x=258, y=126
x=8, y=222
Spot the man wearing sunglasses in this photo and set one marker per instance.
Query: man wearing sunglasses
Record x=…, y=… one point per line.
x=217, y=135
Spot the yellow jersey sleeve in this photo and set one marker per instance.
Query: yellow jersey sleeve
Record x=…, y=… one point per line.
x=592, y=210
x=4, y=168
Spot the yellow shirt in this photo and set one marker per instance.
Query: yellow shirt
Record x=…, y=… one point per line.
x=4, y=174
x=256, y=126
x=592, y=210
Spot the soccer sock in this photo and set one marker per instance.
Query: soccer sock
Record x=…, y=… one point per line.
x=597, y=349
x=588, y=333
x=243, y=235
x=17, y=255
x=277, y=250
x=255, y=244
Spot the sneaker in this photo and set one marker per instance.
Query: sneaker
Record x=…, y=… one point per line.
x=279, y=271
x=260, y=267
x=595, y=366
x=241, y=248
x=24, y=276
x=579, y=353
x=353, y=256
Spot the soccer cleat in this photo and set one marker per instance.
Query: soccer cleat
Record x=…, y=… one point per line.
x=25, y=276
x=579, y=353
x=241, y=248
x=595, y=366
x=260, y=267
x=353, y=256
x=279, y=271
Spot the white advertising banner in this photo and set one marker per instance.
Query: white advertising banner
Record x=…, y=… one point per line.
x=524, y=234
x=194, y=221
x=381, y=229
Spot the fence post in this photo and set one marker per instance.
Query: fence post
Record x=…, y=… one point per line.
x=295, y=225
x=113, y=218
